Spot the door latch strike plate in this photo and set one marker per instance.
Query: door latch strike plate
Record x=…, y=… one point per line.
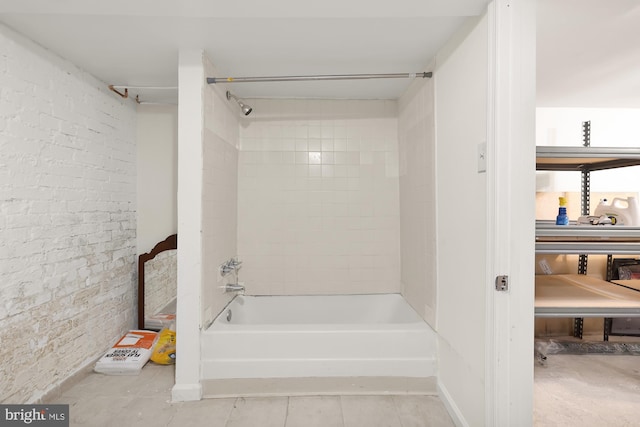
x=502, y=283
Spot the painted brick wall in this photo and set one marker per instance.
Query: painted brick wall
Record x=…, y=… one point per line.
x=160, y=282
x=67, y=219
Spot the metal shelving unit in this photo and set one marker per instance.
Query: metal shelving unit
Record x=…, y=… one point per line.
x=578, y=159
x=580, y=239
x=584, y=240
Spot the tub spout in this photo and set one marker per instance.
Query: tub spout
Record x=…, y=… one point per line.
x=233, y=287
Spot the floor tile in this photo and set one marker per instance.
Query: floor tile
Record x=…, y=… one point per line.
x=158, y=379
x=203, y=413
x=315, y=411
x=258, y=411
x=95, y=411
x=153, y=379
x=422, y=411
x=102, y=385
x=143, y=412
x=369, y=411
x=585, y=390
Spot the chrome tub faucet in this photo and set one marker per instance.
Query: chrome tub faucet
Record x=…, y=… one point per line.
x=233, y=287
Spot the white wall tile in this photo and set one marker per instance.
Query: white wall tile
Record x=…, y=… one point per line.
x=317, y=207
x=415, y=166
x=220, y=197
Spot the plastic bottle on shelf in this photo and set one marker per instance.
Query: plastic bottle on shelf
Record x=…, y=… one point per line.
x=621, y=211
x=562, y=218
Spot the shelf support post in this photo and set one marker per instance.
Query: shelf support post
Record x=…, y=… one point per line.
x=585, y=207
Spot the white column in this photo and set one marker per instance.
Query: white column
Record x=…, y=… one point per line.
x=190, y=169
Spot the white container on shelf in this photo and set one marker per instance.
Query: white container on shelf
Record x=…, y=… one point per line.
x=622, y=211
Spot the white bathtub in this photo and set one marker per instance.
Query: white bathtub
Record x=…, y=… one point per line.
x=318, y=336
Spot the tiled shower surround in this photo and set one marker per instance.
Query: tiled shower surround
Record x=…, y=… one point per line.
x=318, y=208
x=219, y=193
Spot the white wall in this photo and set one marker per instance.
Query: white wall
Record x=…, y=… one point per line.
x=461, y=119
x=416, y=141
x=318, y=197
x=67, y=219
x=157, y=153
x=610, y=127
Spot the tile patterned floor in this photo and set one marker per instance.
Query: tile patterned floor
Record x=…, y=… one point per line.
x=144, y=400
x=570, y=390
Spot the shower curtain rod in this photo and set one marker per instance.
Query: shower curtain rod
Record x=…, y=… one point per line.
x=144, y=87
x=212, y=80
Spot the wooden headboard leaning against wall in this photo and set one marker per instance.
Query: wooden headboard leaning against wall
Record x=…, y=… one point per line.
x=170, y=243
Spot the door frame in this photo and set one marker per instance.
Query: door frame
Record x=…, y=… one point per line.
x=510, y=212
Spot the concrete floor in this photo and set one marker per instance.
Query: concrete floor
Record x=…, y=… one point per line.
x=588, y=389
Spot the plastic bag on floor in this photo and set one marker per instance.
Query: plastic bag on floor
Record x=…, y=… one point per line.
x=164, y=353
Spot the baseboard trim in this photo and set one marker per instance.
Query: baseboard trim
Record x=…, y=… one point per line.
x=186, y=392
x=452, y=408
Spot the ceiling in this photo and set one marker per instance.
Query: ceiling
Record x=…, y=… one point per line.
x=588, y=54
x=127, y=43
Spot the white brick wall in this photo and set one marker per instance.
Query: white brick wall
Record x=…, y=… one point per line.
x=160, y=281
x=67, y=218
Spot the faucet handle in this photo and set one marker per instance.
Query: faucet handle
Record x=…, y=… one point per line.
x=229, y=266
x=235, y=264
x=226, y=268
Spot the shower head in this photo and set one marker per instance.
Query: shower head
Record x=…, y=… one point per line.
x=246, y=110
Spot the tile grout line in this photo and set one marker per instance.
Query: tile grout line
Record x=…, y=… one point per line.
x=228, y=417
x=286, y=412
x=396, y=409
x=344, y=422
